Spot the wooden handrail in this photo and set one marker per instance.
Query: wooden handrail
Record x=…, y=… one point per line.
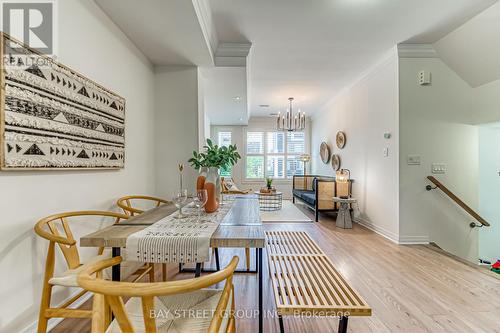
x=458, y=201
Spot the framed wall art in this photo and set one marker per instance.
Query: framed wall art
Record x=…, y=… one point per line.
x=336, y=162
x=52, y=117
x=324, y=152
x=340, y=139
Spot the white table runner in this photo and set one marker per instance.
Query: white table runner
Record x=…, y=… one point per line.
x=172, y=240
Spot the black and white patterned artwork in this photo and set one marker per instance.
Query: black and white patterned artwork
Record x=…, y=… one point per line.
x=51, y=117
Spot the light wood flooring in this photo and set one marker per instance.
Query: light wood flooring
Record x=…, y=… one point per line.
x=411, y=288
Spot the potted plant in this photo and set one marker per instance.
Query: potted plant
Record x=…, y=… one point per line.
x=269, y=183
x=214, y=158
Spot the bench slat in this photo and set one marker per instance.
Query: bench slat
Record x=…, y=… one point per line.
x=305, y=280
x=291, y=242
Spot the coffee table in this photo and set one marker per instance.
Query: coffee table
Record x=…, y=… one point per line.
x=270, y=201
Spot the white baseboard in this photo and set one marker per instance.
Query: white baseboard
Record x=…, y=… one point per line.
x=407, y=240
x=33, y=327
x=393, y=237
x=379, y=230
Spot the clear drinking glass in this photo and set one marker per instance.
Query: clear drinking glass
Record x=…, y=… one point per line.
x=179, y=198
x=200, y=200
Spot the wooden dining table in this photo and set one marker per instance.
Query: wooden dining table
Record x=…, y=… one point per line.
x=240, y=228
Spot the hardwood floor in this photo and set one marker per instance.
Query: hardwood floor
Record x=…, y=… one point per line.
x=410, y=288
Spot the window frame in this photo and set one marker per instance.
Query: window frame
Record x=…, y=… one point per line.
x=265, y=154
x=220, y=145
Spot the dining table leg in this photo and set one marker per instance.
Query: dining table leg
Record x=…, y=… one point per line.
x=261, y=311
x=115, y=270
x=198, y=270
x=217, y=262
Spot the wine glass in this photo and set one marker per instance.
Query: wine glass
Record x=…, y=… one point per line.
x=179, y=199
x=200, y=200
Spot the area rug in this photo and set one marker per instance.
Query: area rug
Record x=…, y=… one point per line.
x=289, y=213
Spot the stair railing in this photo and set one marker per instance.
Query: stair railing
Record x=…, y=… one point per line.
x=458, y=201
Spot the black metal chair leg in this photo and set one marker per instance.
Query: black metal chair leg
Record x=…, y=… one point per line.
x=282, y=326
x=343, y=324
x=217, y=262
x=198, y=270
x=316, y=215
x=180, y=268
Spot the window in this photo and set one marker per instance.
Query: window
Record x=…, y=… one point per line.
x=255, y=143
x=295, y=148
x=255, y=155
x=274, y=154
x=225, y=140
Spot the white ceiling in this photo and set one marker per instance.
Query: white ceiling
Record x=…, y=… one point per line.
x=473, y=50
x=312, y=49
x=307, y=49
x=225, y=95
x=167, y=32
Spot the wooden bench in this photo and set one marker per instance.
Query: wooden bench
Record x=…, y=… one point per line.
x=305, y=281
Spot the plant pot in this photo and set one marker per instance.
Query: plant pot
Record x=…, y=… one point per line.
x=211, y=186
x=200, y=181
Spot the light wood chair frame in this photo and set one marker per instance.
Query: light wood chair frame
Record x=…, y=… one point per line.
x=48, y=229
x=125, y=203
x=112, y=293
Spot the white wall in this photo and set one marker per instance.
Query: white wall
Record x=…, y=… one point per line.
x=364, y=112
x=432, y=125
x=91, y=44
x=489, y=191
x=176, y=127
x=239, y=138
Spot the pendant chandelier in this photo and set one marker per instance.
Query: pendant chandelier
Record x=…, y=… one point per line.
x=290, y=123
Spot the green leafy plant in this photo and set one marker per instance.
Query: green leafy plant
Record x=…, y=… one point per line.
x=269, y=183
x=214, y=156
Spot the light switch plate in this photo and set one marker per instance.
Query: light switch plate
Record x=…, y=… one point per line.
x=413, y=159
x=386, y=151
x=424, y=78
x=438, y=168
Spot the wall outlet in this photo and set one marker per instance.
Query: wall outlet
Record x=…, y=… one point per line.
x=413, y=159
x=424, y=78
x=438, y=168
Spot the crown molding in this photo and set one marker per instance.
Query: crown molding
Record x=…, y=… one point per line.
x=417, y=51
x=232, y=54
x=204, y=15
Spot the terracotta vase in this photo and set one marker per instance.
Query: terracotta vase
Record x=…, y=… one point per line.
x=211, y=187
x=200, y=181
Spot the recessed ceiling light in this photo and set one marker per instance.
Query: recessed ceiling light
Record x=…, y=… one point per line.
x=264, y=105
x=237, y=98
x=241, y=119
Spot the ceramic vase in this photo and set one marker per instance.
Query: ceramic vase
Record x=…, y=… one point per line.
x=211, y=187
x=200, y=181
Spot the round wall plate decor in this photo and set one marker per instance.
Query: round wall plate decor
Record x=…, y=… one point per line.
x=324, y=152
x=340, y=139
x=336, y=162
